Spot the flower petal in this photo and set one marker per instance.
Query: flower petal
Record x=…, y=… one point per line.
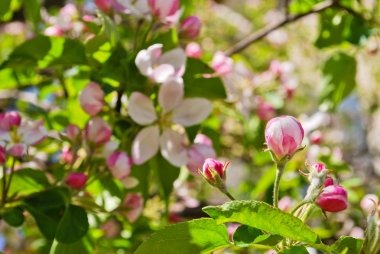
x=175, y=57
x=146, y=58
x=192, y=111
x=170, y=94
x=146, y=144
x=162, y=73
x=141, y=109
x=172, y=148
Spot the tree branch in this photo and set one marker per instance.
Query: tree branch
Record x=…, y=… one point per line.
x=247, y=41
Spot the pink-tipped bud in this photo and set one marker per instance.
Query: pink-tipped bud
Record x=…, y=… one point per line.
x=9, y=120
x=73, y=132
x=91, y=99
x=316, y=137
x=202, y=139
x=104, y=5
x=213, y=169
x=120, y=164
x=333, y=199
x=265, y=110
x=193, y=50
x=54, y=31
x=329, y=181
x=67, y=155
x=134, y=204
x=222, y=64
x=190, y=27
x=98, y=131
x=76, y=180
x=17, y=150
x=284, y=136
x=318, y=167
x=163, y=8
x=3, y=155
x=369, y=203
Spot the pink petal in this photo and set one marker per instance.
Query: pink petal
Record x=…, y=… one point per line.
x=141, y=109
x=170, y=94
x=192, y=111
x=172, y=148
x=146, y=144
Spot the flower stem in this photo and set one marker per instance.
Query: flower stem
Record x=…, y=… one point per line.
x=10, y=177
x=276, y=188
x=228, y=195
x=4, y=186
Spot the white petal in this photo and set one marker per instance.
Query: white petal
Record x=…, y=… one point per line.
x=162, y=73
x=192, y=111
x=170, y=94
x=146, y=144
x=175, y=57
x=144, y=63
x=172, y=148
x=141, y=109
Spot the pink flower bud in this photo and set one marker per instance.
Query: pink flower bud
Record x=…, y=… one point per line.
x=265, y=110
x=163, y=8
x=76, y=180
x=54, y=31
x=3, y=156
x=67, y=155
x=222, y=64
x=193, y=50
x=191, y=27
x=285, y=203
x=104, y=5
x=202, y=139
x=111, y=228
x=329, y=181
x=17, y=150
x=73, y=132
x=9, y=120
x=369, y=203
x=120, y=164
x=98, y=131
x=91, y=99
x=318, y=167
x=283, y=136
x=333, y=199
x=134, y=204
x=213, y=167
x=316, y=137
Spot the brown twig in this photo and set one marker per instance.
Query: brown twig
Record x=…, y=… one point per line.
x=247, y=41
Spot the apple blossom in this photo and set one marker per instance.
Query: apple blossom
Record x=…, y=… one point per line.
x=3, y=156
x=369, y=203
x=202, y=139
x=32, y=132
x=193, y=50
x=111, y=228
x=92, y=99
x=98, y=131
x=161, y=67
x=54, y=31
x=73, y=132
x=222, y=64
x=120, y=164
x=67, y=155
x=190, y=27
x=8, y=120
x=133, y=204
x=137, y=8
x=283, y=136
x=166, y=10
x=316, y=137
x=197, y=154
x=333, y=199
x=76, y=180
x=174, y=110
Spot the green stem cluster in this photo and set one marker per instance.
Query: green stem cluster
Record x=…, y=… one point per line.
x=276, y=188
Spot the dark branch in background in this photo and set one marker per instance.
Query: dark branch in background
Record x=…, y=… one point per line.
x=247, y=41
x=118, y=101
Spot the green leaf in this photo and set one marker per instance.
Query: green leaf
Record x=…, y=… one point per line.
x=332, y=27
x=347, y=245
x=109, y=29
x=198, y=86
x=14, y=217
x=73, y=226
x=246, y=235
x=47, y=208
x=83, y=247
x=166, y=174
x=339, y=73
x=295, y=250
x=26, y=181
x=196, y=236
x=116, y=66
x=32, y=10
x=72, y=52
x=4, y=7
x=260, y=215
